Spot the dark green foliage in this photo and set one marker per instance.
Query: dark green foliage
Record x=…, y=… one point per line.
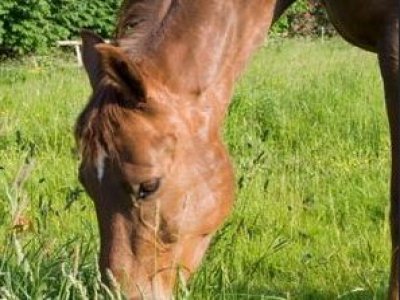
x=304, y=18
x=32, y=26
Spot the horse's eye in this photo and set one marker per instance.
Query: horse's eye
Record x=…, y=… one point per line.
x=148, y=188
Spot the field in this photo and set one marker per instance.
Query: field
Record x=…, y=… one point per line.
x=308, y=136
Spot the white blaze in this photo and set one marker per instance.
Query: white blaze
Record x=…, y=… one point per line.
x=100, y=159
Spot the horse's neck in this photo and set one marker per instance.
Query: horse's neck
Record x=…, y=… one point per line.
x=208, y=42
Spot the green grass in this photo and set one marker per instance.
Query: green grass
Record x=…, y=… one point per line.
x=308, y=136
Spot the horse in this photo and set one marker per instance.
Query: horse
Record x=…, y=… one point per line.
x=152, y=156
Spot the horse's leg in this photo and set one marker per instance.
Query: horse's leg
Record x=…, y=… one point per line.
x=388, y=53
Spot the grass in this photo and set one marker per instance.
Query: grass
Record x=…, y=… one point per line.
x=308, y=136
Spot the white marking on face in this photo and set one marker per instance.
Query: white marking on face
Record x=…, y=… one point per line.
x=100, y=159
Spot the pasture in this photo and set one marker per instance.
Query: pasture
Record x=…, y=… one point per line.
x=308, y=137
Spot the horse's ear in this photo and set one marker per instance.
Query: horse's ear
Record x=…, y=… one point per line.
x=121, y=71
x=91, y=57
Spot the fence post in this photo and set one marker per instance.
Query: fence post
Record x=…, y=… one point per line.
x=323, y=33
x=78, y=54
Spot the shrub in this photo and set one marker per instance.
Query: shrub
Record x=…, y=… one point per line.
x=28, y=26
x=304, y=18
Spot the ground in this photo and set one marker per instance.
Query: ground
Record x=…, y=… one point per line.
x=309, y=140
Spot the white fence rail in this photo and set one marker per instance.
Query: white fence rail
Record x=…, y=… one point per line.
x=77, y=45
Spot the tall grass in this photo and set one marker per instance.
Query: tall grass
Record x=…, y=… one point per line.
x=308, y=136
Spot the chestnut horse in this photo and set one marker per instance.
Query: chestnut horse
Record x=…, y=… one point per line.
x=152, y=156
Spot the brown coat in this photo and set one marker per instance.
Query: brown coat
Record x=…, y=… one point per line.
x=152, y=156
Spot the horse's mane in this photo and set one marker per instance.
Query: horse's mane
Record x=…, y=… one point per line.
x=95, y=126
x=142, y=24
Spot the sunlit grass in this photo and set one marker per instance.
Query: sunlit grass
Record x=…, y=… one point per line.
x=308, y=136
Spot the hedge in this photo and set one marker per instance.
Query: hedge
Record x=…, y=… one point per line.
x=304, y=18
x=33, y=26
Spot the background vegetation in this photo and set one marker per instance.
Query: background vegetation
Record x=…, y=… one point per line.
x=309, y=143
x=34, y=26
